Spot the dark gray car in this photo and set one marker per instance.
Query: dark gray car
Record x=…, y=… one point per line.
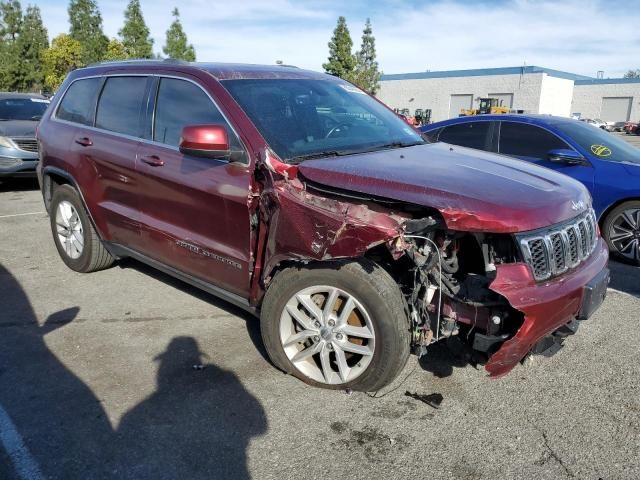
x=19, y=116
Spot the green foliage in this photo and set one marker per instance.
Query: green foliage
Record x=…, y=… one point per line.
x=30, y=44
x=64, y=55
x=341, y=61
x=10, y=25
x=632, y=74
x=86, y=27
x=176, y=43
x=135, y=33
x=367, y=76
x=115, y=51
x=22, y=40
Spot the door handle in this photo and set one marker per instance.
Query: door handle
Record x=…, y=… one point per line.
x=152, y=160
x=84, y=141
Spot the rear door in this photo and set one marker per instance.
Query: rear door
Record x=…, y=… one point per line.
x=533, y=143
x=106, y=146
x=194, y=211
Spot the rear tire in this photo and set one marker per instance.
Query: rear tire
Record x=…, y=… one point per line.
x=320, y=309
x=621, y=230
x=75, y=238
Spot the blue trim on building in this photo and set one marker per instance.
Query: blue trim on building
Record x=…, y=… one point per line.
x=606, y=81
x=482, y=72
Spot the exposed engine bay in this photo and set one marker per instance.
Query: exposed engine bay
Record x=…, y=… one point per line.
x=445, y=276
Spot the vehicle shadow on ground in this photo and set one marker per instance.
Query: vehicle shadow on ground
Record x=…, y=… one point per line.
x=447, y=354
x=625, y=278
x=252, y=323
x=196, y=425
x=18, y=184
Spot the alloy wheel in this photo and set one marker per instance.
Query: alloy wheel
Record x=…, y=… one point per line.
x=69, y=229
x=327, y=334
x=624, y=234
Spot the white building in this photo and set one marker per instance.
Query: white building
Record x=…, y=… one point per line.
x=529, y=88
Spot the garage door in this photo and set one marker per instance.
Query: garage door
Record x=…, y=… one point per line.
x=459, y=102
x=615, y=109
x=506, y=98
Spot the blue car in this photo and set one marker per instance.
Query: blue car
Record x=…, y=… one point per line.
x=607, y=165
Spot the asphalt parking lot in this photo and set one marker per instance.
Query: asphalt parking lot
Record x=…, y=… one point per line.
x=127, y=373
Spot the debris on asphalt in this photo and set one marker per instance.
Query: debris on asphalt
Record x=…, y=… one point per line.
x=198, y=366
x=433, y=399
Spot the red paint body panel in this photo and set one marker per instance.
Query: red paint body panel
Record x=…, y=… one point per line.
x=546, y=306
x=474, y=190
x=204, y=137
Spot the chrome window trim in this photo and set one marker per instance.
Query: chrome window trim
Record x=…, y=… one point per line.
x=54, y=115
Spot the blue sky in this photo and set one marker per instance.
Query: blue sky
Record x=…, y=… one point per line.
x=580, y=36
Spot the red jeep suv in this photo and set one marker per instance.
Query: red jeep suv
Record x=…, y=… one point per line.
x=300, y=198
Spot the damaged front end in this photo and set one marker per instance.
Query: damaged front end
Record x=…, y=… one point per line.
x=464, y=282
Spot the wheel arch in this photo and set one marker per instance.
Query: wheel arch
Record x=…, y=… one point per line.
x=613, y=206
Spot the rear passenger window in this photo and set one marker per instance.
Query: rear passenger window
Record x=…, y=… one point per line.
x=79, y=102
x=523, y=140
x=181, y=103
x=471, y=134
x=120, y=105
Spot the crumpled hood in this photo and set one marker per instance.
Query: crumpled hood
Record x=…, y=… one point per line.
x=18, y=128
x=473, y=190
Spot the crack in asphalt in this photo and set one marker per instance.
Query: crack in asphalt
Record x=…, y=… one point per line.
x=553, y=454
x=123, y=319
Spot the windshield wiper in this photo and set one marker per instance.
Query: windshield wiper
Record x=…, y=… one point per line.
x=311, y=156
x=399, y=145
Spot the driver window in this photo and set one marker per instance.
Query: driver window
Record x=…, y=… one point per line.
x=524, y=140
x=180, y=103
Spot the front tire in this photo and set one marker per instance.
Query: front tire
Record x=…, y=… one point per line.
x=75, y=238
x=338, y=325
x=621, y=230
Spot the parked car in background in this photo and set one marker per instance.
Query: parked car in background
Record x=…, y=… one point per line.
x=19, y=116
x=632, y=128
x=607, y=165
x=616, y=126
x=596, y=122
x=302, y=199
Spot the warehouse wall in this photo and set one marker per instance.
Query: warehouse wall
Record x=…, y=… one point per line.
x=587, y=99
x=435, y=93
x=555, y=96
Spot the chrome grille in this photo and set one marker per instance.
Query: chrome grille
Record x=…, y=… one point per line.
x=26, y=144
x=557, y=249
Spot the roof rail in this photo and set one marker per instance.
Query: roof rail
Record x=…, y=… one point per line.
x=139, y=61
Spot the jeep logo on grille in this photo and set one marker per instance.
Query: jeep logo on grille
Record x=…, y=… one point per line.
x=577, y=206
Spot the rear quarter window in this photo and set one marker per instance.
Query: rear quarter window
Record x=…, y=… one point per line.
x=78, y=103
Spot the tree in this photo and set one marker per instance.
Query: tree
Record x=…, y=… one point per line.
x=632, y=74
x=10, y=25
x=176, y=43
x=86, y=27
x=367, y=76
x=115, y=51
x=64, y=55
x=341, y=61
x=29, y=46
x=135, y=33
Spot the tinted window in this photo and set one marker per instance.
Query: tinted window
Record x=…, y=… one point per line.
x=600, y=143
x=181, y=103
x=120, y=104
x=472, y=135
x=522, y=140
x=79, y=102
x=22, y=108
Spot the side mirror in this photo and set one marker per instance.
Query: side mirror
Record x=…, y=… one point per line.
x=566, y=156
x=210, y=141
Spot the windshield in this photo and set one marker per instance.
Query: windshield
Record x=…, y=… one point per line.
x=600, y=143
x=303, y=119
x=22, y=108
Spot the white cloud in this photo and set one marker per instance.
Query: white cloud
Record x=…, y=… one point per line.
x=580, y=36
